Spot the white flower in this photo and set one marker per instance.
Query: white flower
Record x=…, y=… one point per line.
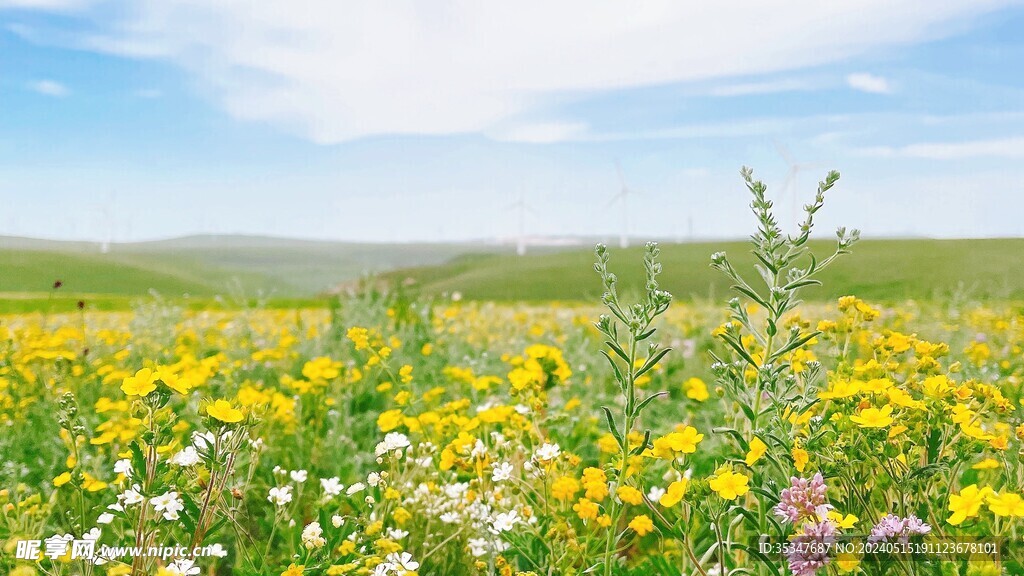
x=479, y=449
x=547, y=452
x=183, y=567
x=217, y=550
x=337, y=521
x=131, y=496
x=105, y=518
x=355, y=488
x=373, y=479
x=504, y=522
x=392, y=441
x=298, y=476
x=123, y=466
x=331, y=486
x=402, y=562
x=477, y=547
x=655, y=493
x=203, y=439
x=502, y=472
x=169, y=504
x=312, y=536
x=186, y=457
x=280, y=495
x=93, y=534
x=450, y=517
x=396, y=533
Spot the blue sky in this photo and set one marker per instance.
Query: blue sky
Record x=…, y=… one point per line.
x=391, y=121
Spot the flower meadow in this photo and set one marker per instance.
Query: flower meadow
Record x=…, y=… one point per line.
x=398, y=435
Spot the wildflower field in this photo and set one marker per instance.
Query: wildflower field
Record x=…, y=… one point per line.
x=395, y=435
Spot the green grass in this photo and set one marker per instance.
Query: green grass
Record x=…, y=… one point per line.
x=243, y=266
x=883, y=270
x=234, y=271
x=32, y=271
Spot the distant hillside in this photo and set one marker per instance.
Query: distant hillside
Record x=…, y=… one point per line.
x=33, y=271
x=877, y=269
x=211, y=264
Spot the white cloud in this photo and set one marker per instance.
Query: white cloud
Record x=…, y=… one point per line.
x=994, y=148
x=336, y=70
x=541, y=133
x=49, y=88
x=61, y=5
x=868, y=83
x=768, y=87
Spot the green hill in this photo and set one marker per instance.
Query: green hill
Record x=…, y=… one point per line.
x=877, y=269
x=209, y=265
x=242, y=267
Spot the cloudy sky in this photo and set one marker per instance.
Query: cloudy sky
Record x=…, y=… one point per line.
x=396, y=120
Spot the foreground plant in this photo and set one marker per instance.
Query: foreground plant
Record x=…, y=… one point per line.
x=627, y=364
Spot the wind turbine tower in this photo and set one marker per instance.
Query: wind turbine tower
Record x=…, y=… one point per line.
x=622, y=197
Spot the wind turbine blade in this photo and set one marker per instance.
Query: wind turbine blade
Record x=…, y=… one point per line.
x=622, y=179
x=790, y=175
x=784, y=152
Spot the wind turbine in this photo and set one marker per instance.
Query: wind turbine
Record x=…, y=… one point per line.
x=521, y=208
x=789, y=182
x=106, y=222
x=623, y=198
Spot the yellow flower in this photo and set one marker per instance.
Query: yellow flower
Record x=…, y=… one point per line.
x=321, y=368
x=642, y=525
x=1006, y=504
x=586, y=509
x=359, y=336
x=874, y=417
x=675, y=443
x=564, y=488
x=405, y=373
x=141, y=384
x=986, y=464
x=757, y=450
x=91, y=484
x=389, y=420
x=841, y=389
x=294, y=570
x=177, y=382
x=675, y=493
x=800, y=458
x=847, y=562
x=967, y=503
x=223, y=410
x=62, y=479
x=595, y=482
x=629, y=495
x=729, y=485
x=844, y=522
x=696, y=389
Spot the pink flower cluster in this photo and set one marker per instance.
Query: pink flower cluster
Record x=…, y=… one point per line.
x=811, y=549
x=892, y=527
x=804, y=499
